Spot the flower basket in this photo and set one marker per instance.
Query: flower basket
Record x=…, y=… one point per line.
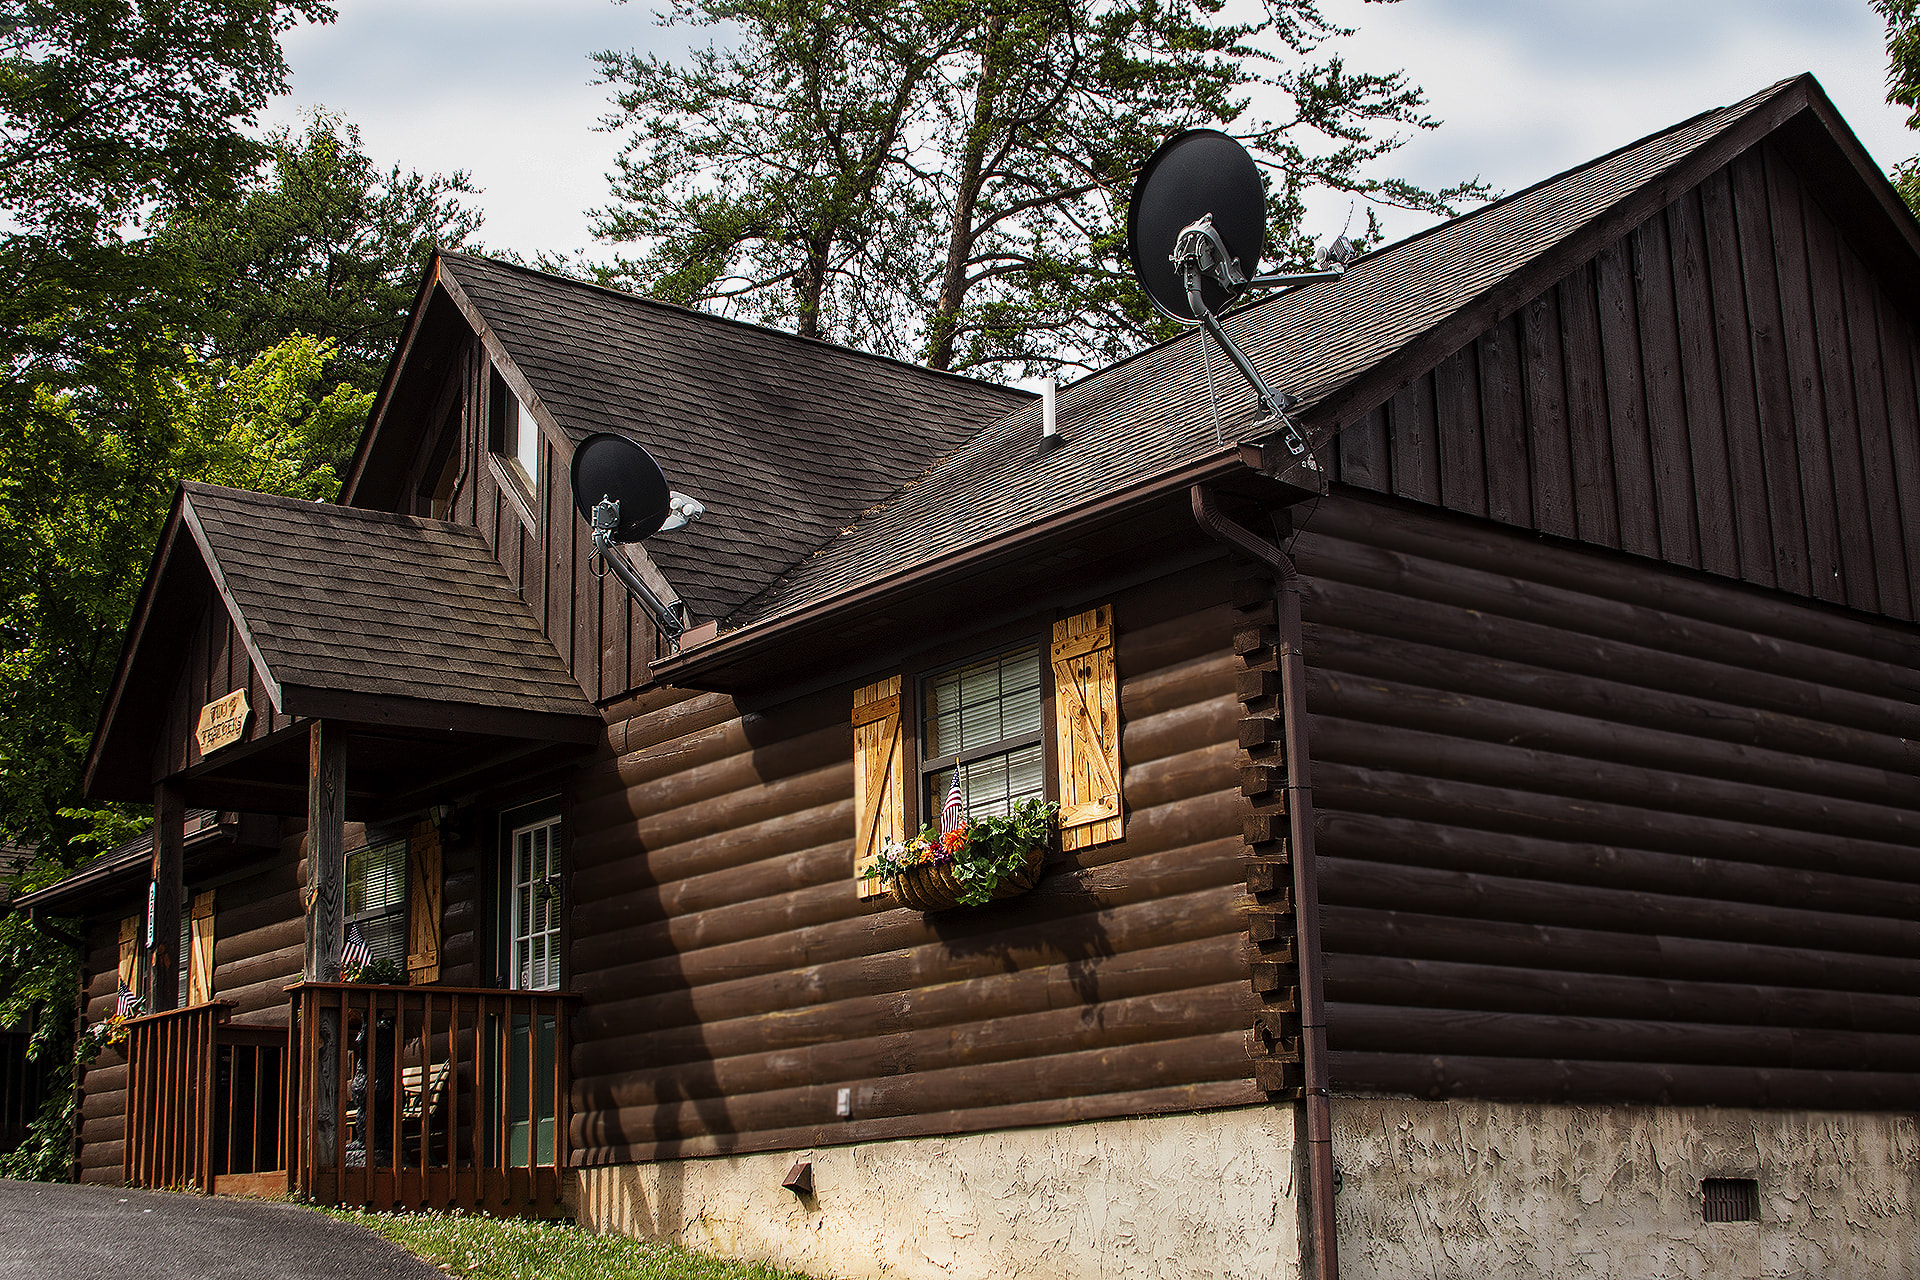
x=932, y=886
x=972, y=864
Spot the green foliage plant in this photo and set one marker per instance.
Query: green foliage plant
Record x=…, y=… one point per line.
x=981, y=854
x=1902, y=18
x=383, y=973
x=319, y=241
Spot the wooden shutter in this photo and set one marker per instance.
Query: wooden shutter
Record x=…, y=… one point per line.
x=1086, y=725
x=130, y=954
x=423, y=904
x=200, y=950
x=879, y=777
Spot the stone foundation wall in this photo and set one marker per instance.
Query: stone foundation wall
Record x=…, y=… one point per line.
x=1459, y=1190
x=1486, y=1190
x=1209, y=1194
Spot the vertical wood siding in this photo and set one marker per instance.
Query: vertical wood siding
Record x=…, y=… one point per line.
x=603, y=636
x=216, y=663
x=1590, y=830
x=734, y=982
x=1727, y=388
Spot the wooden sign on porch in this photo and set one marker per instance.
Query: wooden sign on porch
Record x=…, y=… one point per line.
x=222, y=722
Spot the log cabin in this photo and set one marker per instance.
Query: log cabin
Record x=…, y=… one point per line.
x=1489, y=845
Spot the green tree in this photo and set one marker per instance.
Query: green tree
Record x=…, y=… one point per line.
x=765, y=177
x=1903, y=82
x=87, y=508
x=948, y=180
x=320, y=241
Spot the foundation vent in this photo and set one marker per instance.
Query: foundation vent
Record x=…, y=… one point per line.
x=1731, y=1199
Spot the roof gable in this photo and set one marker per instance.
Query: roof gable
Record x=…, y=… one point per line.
x=785, y=440
x=1727, y=387
x=343, y=613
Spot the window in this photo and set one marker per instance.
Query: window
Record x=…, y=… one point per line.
x=987, y=719
x=377, y=900
x=516, y=436
x=982, y=718
x=533, y=905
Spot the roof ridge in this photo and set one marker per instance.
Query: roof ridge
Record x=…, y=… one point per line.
x=641, y=299
x=263, y=498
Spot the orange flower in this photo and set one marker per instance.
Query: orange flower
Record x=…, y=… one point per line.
x=952, y=840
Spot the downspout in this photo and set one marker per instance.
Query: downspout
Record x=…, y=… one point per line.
x=1306, y=879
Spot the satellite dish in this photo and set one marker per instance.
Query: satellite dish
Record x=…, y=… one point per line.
x=606, y=466
x=1201, y=173
x=1196, y=231
x=620, y=491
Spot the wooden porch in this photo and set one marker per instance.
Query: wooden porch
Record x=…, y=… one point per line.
x=373, y=1096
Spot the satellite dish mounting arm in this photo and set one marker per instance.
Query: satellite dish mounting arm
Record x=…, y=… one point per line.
x=1199, y=249
x=665, y=615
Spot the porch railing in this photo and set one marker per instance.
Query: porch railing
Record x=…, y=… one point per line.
x=428, y=1097
x=170, y=1079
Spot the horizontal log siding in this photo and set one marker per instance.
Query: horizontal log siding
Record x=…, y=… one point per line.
x=103, y=1084
x=259, y=938
x=1591, y=830
x=734, y=983
x=1727, y=388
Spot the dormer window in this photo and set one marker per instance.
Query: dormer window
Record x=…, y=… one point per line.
x=516, y=436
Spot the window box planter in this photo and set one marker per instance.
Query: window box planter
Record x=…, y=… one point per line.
x=934, y=887
x=980, y=861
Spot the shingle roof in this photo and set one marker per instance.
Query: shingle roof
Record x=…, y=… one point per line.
x=346, y=599
x=1150, y=414
x=784, y=439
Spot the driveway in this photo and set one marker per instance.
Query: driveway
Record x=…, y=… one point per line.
x=58, y=1232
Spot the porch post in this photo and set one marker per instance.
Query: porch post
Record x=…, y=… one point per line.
x=326, y=890
x=326, y=868
x=163, y=942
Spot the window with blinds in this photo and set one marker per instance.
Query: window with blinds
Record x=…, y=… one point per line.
x=377, y=900
x=533, y=902
x=983, y=718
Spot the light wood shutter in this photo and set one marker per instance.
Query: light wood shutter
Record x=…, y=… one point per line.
x=879, y=777
x=130, y=954
x=200, y=950
x=424, y=893
x=1086, y=725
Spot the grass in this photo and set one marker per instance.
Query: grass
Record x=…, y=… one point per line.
x=483, y=1248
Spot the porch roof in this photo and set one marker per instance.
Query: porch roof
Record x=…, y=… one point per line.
x=359, y=616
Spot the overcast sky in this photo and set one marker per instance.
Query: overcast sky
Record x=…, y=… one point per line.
x=1525, y=88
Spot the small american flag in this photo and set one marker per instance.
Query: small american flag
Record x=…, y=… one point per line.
x=356, y=954
x=128, y=1005
x=950, y=815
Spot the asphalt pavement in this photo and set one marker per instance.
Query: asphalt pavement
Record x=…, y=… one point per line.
x=58, y=1232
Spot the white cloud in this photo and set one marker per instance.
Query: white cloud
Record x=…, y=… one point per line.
x=1527, y=88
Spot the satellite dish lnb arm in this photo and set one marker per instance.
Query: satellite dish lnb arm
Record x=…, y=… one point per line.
x=665, y=615
x=1271, y=401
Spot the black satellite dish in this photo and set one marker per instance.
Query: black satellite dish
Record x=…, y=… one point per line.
x=609, y=466
x=621, y=492
x=1197, y=174
x=1196, y=231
